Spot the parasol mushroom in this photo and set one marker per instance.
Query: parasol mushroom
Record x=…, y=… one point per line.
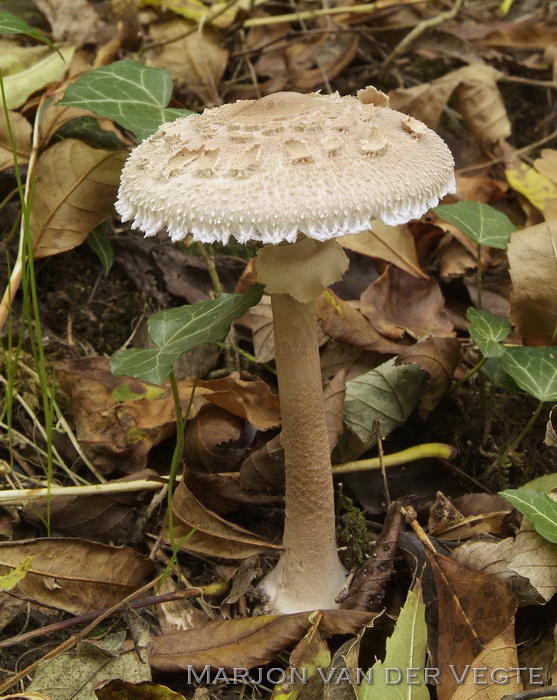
x=294, y=172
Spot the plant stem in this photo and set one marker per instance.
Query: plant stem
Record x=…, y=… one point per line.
x=470, y=373
x=518, y=439
x=479, y=276
x=427, y=450
x=209, y=260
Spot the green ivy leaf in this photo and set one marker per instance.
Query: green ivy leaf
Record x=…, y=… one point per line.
x=128, y=93
x=10, y=24
x=487, y=330
x=480, y=222
x=538, y=507
x=98, y=240
x=534, y=370
x=494, y=371
x=177, y=330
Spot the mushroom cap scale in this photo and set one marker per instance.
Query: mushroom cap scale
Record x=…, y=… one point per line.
x=285, y=164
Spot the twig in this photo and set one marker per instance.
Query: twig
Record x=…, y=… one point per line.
x=381, y=458
x=417, y=31
x=213, y=589
x=16, y=497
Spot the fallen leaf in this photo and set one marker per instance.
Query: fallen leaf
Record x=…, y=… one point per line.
x=439, y=357
x=490, y=676
x=342, y=356
x=260, y=319
x=385, y=304
x=474, y=608
x=21, y=130
x=533, y=270
x=126, y=690
x=247, y=642
x=547, y=164
x=213, y=535
x=308, y=61
x=530, y=182
x=345, y=324
x=192, y=54
x=393, y=244
x=74, y=22
x=75, y=187
x=526, y=563
x=20, y=85
x=75, y=575
x=213, y=440
x=480, y=188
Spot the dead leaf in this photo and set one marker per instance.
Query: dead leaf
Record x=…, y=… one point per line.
x=385, y=304
x=527, y=563
x=345, y=324
x=533, y=269
x=393, y=244
x=260, y=319
x=478, y=100
x=213, y=440
x=196, y=61
x=52, y=117
x=538, y=189
x=75, y=575
x=474, y=608
x=247, y=642
x=126, y=690
x=177, y=615
x=309, y=61
x=222, y=493
x=74, y=22
x=245, y=395
x=353, y=360
x=479, y=188
x=439, y=357
x=490, y=676
x=21, y=130
x=214, y=536
x=75, y=188
x=547, y=164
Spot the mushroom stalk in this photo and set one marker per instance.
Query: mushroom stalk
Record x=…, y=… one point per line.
x=309, y=574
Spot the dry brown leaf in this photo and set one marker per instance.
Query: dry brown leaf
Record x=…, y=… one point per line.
x=75, y=22
x=246, y=642
x=223, y=493
x=478, y=100
x=397, y=303
x=75, y=575
x=260, y=319
x=345, y=324
x=474, y=609
x=393, y=244
x=196, y=61
x=439, y=357
x=547, y=164
x=75, y=188
x=309, y=62
x=212, y=440
x=22, y=131
x=246, y=396
x=490, y=677
x=53, y=117
x=353, y=360
x=214, y=536
x=527, y=563
x=529, y=34
x=533, y=269
x=479, y=188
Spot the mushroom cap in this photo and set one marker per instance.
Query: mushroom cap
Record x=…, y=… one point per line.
x=268, y=169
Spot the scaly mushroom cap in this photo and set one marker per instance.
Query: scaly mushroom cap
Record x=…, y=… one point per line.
x=268, y=169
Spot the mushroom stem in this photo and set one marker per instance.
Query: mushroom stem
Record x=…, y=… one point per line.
x=309, y=573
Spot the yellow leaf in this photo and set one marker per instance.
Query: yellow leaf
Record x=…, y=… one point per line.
x=537, y=188
x=12, y=578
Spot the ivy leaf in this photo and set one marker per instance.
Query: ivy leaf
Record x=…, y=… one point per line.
x=534, y=370
x=480, y=222
x=538, y=507
x=10, y=24
x=133, y=96
x=99, y=242
x=177, y=330
x=487, y=330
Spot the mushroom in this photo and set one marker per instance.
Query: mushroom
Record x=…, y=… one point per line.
x=294, y=172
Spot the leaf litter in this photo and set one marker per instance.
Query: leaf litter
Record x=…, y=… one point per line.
x=411, y=294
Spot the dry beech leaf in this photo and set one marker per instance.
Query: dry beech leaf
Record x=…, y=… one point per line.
x=474, y=608
x=118, y=419
x=212, y=440
x=196, y=61
x=533, y=268
x=74, y=22
x=342, y=356
x=75, y=575
x=493, y=679
x=263, y=470
x=223, y=493
x=385, y=304
x=527, y=563
x=22, y=131
x=345, y=324
x=74, y=191
x=118, y=689
x=547, y=164
x=307, y=62
x=245, y=642
x=439, y=357
x=478, y=100
x=393, y=244
x=53, y=117
x=479, y=188
x=214, y=536
x=260, y=319
x=246, y=396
